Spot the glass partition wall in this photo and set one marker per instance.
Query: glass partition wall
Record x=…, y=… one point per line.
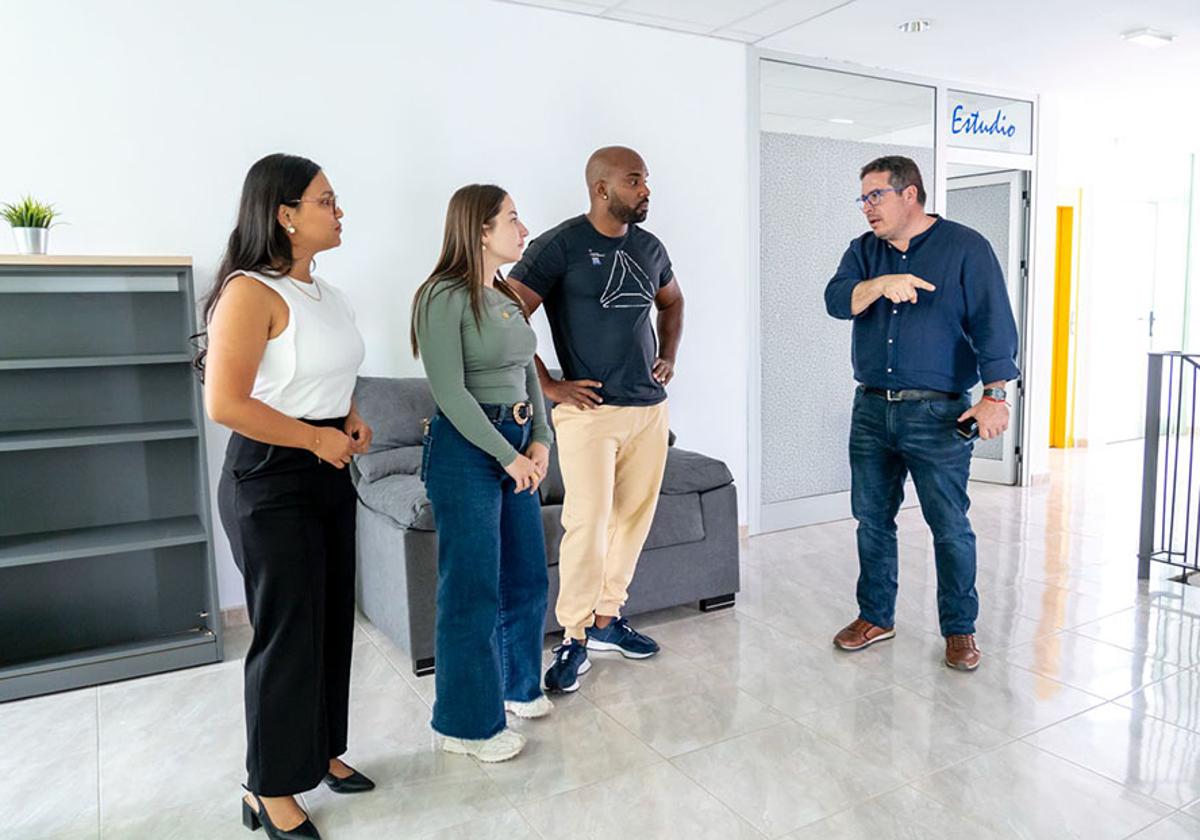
x=813, y=128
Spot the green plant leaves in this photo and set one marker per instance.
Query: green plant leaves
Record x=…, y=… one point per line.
x=28, y=213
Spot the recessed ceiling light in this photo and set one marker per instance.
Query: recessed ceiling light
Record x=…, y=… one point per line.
x=1148, y=38
x=919, y=25
x=841, y=120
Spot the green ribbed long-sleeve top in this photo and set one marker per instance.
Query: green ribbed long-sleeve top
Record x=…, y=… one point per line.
x=489, y=362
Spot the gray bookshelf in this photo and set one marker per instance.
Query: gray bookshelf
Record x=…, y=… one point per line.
x=106, y=560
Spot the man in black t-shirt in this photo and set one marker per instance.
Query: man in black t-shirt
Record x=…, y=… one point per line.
x=599, y=276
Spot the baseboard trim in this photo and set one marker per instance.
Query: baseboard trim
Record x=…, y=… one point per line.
x=1040, y=479
x=234, y=617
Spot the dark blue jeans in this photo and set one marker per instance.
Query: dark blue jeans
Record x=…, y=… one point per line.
x=889, y=440
x=491, y=595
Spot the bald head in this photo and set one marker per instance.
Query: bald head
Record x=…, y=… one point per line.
x=616, y=179
x=612, y=163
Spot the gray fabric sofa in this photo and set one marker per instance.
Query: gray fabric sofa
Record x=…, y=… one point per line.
x=691, y=555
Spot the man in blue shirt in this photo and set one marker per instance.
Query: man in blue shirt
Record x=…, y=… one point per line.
x=931, y=319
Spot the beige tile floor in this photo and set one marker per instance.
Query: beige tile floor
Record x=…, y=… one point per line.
x=1083, y=721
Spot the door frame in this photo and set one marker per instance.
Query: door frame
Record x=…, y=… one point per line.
x=1008, y=469
x=1137, y=430
x=832, y=506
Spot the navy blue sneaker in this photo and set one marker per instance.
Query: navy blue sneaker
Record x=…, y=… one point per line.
x=619, y=636
x=570, y=660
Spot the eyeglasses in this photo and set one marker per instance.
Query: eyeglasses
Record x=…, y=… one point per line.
x=329, y=202
x=874, y=197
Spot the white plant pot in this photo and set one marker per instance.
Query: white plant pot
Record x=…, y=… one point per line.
x=31, y=240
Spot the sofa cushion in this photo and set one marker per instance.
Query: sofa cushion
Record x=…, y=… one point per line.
x=404, y=460
x=678, y=520
x=691, y=472
x=388, y=480
x=401, y=498
x=394, y=409
x=687, y=472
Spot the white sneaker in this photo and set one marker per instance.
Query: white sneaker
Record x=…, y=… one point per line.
x=502, y=746
x=536, y=708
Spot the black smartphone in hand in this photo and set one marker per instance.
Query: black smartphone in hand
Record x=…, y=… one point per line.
x=967, y=429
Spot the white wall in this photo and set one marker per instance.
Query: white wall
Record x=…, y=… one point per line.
x=1129, y=185
x=1039, y=305
x=145, y=117
x=143, y=122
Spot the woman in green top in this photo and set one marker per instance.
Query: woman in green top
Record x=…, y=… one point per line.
x=486, y=452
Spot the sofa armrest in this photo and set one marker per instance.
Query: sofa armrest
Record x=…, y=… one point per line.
x=692, y=472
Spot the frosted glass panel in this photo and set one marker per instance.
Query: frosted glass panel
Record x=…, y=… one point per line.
x=818, y=128
x=987, y=210
x=808, y=218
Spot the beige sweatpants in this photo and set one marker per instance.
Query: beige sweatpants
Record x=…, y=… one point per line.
x=612, y=460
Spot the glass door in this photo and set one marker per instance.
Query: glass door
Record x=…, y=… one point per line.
x=996, y=205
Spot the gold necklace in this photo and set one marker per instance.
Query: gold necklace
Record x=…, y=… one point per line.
x=300, y=287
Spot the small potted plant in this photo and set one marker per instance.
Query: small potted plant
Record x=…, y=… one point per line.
x=31, y=221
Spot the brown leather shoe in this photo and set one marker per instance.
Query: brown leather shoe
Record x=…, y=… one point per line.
x=859, y=634
x=961, y=653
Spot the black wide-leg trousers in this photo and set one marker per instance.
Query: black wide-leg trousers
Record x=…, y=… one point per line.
x=290, y=522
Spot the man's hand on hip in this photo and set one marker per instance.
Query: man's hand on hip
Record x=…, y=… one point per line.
x=580, y=393
x=991, y=415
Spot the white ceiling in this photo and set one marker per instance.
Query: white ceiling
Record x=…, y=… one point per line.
x=738, y=20
x=1068, y=47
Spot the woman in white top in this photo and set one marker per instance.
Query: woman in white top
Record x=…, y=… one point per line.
x=279, y=370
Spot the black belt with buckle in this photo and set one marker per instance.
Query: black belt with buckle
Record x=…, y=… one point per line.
x=521, y=412
x=910, y=394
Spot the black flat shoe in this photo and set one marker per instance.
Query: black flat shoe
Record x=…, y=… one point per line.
x=354, y=783
x=255, y=820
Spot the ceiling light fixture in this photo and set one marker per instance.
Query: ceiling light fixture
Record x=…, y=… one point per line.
x=1148, y=38
x=915, y=26
x=841, y=120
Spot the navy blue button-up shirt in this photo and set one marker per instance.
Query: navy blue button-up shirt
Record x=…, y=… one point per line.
x=949, y=339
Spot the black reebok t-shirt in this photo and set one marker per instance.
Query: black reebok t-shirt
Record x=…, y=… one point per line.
x=599, y=296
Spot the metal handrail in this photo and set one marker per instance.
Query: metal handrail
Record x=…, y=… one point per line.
x=1161, y=507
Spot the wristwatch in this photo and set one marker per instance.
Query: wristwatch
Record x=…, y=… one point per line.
x=995, y=394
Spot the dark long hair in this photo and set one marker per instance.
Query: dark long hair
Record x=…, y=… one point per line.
x=472, y=210
x=258, y=242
